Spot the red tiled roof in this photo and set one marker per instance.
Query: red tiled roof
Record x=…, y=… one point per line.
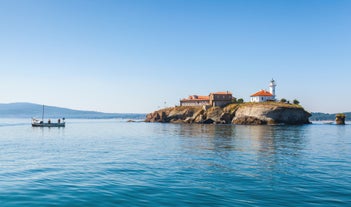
x=203, y=97
x=196, y=98
x=262, y=93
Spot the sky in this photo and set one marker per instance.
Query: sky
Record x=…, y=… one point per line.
x=141, y=55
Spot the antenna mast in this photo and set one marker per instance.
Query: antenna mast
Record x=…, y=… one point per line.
x=42, y=116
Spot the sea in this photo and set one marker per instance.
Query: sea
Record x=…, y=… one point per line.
x=112, y=162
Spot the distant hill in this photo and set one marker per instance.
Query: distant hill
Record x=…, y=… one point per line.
x=28, y=110
x=318, y=116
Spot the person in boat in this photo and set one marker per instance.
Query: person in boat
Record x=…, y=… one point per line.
x=49, y=121
x=59, y=121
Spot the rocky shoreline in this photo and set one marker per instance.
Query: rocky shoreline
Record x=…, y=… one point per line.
x=267, y=113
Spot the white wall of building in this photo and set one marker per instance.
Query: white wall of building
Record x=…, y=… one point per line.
x=194, y=103
x=261, y=98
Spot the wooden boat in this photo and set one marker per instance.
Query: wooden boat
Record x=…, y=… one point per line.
x=41, y=123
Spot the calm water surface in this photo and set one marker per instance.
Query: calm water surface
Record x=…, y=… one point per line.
x=115, y=163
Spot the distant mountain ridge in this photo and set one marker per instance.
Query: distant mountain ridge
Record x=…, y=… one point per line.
x=319, y=116
x=28, y=110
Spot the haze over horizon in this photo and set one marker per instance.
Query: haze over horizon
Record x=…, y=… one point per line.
x=138, y=56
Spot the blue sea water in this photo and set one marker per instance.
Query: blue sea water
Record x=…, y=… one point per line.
x=115, y=163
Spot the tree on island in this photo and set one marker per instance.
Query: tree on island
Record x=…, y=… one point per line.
x=295, y=101
x=240, y=100
x=283, y=100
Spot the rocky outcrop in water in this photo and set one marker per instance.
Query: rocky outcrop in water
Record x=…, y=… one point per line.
x=246, y=113
x=340, y=119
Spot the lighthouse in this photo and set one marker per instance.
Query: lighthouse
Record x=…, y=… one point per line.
x=272, y=86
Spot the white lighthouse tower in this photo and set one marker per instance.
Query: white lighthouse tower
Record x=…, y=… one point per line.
x=272, y=86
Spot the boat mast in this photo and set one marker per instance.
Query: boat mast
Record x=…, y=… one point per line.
x=42, y=116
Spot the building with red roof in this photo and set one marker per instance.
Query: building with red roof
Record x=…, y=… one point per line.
x=214, y=99
x=220, y=98
x=195, y=100
x=263, y=95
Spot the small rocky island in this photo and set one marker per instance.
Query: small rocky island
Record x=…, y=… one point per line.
x=223, y=108
x=262, y=113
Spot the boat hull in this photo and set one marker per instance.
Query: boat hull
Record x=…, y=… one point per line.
x=48, y=125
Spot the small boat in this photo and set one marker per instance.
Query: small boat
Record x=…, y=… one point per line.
x=41, y=123
x=38, y=123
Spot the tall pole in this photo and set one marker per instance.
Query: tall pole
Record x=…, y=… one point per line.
x=42, y=116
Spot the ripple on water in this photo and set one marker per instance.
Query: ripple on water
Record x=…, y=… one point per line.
x=107, y=163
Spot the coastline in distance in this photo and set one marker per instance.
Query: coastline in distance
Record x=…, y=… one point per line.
x=29, y=110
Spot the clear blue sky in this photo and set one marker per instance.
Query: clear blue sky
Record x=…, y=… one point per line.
x=132, y=56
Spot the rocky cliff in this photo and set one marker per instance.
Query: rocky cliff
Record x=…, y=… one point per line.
x=246, y=113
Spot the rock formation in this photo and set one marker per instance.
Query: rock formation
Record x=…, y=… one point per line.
x=245, y=113
x=271, y=113
x=340, y=119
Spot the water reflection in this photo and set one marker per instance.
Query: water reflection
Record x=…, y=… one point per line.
x=244, y=138
x=277, y=148
x=267, y=148
x=48, y=131
x=271, y=139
